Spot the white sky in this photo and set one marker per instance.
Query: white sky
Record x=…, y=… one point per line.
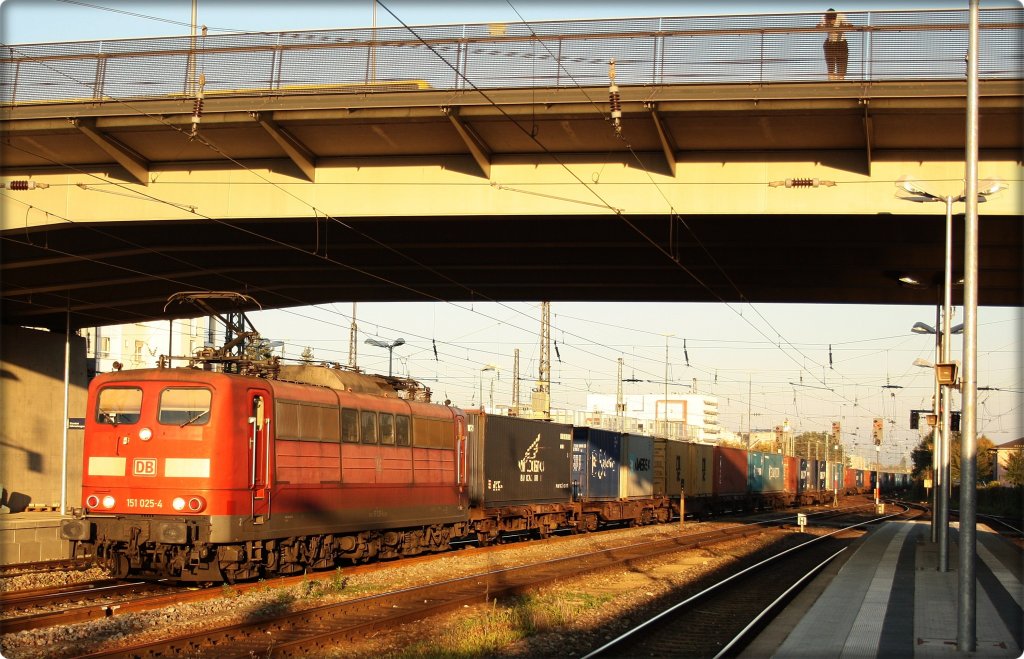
x=730, y=349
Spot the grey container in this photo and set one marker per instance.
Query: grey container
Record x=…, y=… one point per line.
x=638, y=465
x=514, y=461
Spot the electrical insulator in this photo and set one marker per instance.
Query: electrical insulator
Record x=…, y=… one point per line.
x=197, y=113
x=801, y=182
x=25, y=185
x=614, y=101
x=616, y=106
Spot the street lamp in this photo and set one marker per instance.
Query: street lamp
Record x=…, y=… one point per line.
x=490, y=407
x=910, y=191
x=390, y=345
x=941, y=445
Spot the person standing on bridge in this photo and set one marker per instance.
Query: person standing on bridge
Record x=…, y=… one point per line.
x=837, y=50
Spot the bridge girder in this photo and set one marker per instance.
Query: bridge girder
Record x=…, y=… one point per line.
x=527, y=194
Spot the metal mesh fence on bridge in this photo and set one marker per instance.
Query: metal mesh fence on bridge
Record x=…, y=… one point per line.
x=748, y=49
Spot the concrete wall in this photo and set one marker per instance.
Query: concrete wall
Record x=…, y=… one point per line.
x=31, y=423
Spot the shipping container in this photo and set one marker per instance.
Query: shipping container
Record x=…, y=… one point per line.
x=730, y=472
x=822, y=475
x=755, y=471
x=638, y=466
x=833, y=476
x=698, y=470
x=764, y=473
x=774, y=482
x=660, y=471
x=804, y=477
x=596, y=464
x=515, y=461
x=791, y=467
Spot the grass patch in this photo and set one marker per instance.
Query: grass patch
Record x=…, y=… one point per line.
x=488, y=630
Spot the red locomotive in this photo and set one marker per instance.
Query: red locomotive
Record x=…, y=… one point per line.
x=200, y=476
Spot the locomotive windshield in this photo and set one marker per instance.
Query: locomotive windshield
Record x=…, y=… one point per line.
x=184, y=406
x=119, y=405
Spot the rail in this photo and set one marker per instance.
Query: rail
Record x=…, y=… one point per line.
x=681, y=50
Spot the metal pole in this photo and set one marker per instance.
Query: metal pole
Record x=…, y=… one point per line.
x=190, y=74
x=665, y=430
x=937, y=474
x=67, y=395
x=945, y=394
x=967, y=592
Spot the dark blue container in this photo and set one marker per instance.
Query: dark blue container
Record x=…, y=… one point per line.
x=596, y=464
x=803, y=478
x=755, y=472
x=821, y=472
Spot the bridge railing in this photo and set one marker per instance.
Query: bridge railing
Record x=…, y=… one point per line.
x=680, y=50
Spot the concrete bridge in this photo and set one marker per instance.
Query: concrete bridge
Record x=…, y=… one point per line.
x=475, y=162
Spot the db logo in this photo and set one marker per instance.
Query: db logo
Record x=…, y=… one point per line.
x=144, y=467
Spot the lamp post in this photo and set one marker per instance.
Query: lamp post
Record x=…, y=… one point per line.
x=390, y=345
x=940, y=440
x=490, y=407
x=910, y=191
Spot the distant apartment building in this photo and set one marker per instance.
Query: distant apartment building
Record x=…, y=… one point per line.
x=140, y=345
x=694, y=416
x=1001, y=464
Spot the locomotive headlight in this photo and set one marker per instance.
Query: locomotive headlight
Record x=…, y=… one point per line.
x=178, y=504
x=108, y=502
x=196, y=504
x=145, y=434
x=92, y=501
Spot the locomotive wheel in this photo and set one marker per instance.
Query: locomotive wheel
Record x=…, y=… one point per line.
x=119, y=566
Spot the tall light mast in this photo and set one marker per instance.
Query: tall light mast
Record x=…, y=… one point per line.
x=620, y=406
x=352, y=340
x=542, y=392
x=515, y=384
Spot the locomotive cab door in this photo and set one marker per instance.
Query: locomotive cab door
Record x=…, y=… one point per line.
x=259, y=454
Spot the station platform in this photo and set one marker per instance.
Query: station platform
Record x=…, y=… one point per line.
x=887, y=599
x=31, y=536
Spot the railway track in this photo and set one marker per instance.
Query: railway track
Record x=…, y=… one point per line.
x=63, y=605
x=75, y=603
x=719, y=619
x=38, y=567
x=311, y=631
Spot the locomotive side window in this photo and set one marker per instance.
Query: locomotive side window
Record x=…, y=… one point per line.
x=317, y=423
x=349, y=425
x=119, y=405
x=182, y=407
x=368, y=427
x=402, y=431
x=433, y=433
x=387, y=428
